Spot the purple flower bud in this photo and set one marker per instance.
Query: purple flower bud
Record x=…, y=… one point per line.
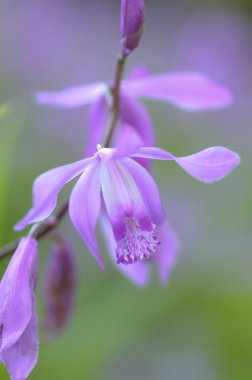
x=59, y=285
x=132, y=24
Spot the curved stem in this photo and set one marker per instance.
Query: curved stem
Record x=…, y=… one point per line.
x=115, y=109
x=42, y=230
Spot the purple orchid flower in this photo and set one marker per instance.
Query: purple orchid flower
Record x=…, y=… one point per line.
x=188, y=90
x=132, y=24
x=18, y=317
x=167, y=252
x=59, y=285
x=130, y=196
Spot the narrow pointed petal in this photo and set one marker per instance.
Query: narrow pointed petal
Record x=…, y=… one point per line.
x=18, y=318
x=154, y=153
x=138, y=273
x=85, y=206
x=72, y=96
x=209, y=165
x=98, y=117
x=167, y=251
x=148, y=189
x=46, y=188
x=127, y=142
x=191, y=91
x=134, y=114
x=135, y=126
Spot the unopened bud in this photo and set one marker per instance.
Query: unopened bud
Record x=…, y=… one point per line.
x=59, y=285
x=132, y=24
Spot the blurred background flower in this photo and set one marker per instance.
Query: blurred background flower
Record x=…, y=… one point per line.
x=198, y=327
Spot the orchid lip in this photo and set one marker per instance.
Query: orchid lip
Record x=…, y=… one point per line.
x=138, y=244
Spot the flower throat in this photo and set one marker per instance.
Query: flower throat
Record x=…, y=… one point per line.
x=137, y=244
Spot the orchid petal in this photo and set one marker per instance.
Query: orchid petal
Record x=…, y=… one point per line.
x=191, y=91
x=153, y=153
x=17, y=276
x=148, y=189
x=136, y=127
x=18, y=318
x=120, y=193
x=209, y=165
x=138, y=273
x=127, y=142
x=72, y=96
x=46, y=188
x=140, y=71
x=97, y=121
x=22, y=357
x=84, y=208
x=167, y=251
x=134, y=114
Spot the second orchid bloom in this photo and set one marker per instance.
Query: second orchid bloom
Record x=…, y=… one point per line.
x=113, y=182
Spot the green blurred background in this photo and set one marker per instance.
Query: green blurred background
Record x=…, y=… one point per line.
x=199, y=326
